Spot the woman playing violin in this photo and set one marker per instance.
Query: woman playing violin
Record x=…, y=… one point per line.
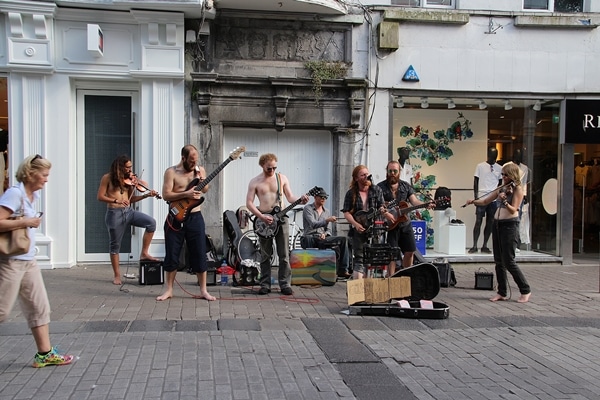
x=117, y=189
x=505, y=231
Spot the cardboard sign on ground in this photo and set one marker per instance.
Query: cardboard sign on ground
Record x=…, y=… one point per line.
x=377, y=290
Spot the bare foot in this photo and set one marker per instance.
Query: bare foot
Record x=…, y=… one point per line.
x=205, y=295
x=165, y=296
x=117, y=280
x=148, y=257
x=498, y=298
x=524, y=298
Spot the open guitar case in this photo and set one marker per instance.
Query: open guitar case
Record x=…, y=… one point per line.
x=424, y=285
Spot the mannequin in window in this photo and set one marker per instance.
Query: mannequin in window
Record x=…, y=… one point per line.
x=406, y=172
x=3, y=160
x=579, y=174
x=487, y=177
x=593, y=190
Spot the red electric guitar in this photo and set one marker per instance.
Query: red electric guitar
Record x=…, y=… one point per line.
x=403, y=208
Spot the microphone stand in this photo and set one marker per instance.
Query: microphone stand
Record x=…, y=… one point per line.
x=491, y=191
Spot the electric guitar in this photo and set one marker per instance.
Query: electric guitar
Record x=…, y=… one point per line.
x=366, y=218
x=399, y=212
x=180, y=209
x=267, y=231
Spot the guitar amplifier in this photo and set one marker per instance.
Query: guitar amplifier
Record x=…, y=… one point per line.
x=484, y=280
x=151, y=273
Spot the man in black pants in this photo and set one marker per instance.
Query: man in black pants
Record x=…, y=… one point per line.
x=177, y=179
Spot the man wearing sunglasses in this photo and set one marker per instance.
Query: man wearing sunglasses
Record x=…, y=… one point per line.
x=270, y=187
x=316, y=219
x=402, y=234
x=487, y=177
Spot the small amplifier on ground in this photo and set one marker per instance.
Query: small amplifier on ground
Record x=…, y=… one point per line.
x=211, y=275
x=484, y=280
x=151, y=273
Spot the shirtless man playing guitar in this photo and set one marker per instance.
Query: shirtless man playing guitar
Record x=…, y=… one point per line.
x=269, y=187
x=176, y=184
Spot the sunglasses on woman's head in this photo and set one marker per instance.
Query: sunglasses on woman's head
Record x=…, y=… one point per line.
x=37, y=157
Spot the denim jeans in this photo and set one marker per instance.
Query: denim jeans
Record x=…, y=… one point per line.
x=505, y=236
x=358, y=243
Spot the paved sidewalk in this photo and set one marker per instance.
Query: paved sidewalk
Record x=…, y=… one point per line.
x=245, y=346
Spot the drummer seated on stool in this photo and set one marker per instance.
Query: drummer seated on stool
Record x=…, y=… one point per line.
x=316, y=219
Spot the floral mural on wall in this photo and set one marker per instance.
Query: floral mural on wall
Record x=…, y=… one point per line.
x=431, y=148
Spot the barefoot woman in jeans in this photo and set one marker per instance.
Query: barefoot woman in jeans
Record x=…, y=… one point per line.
x=505, y=232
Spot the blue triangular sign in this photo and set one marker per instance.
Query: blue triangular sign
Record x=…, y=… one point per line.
x=410, y=75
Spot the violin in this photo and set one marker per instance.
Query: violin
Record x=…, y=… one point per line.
x=140, y=185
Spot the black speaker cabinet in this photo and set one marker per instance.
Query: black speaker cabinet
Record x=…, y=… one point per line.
x=484, y=280
x=151, y=273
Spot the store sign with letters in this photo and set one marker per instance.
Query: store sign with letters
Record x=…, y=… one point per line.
x=582, y=122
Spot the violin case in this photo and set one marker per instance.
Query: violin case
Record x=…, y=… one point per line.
x=424, y=285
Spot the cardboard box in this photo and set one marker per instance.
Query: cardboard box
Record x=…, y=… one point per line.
x=377, y=290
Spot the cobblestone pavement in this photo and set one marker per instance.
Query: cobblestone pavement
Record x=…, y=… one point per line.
x=245, y=346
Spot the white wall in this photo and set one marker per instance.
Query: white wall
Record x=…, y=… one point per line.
x=465, y=58
x=496, y=5
x=143, y=50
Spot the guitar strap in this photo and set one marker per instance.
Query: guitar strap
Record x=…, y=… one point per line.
x=279, y=196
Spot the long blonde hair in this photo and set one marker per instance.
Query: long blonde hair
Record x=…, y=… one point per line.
x=513, y=172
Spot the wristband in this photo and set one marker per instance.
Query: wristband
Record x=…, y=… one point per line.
x=115, y=201
x=505, y=203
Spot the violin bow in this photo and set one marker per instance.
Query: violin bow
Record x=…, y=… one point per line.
x=134, y=186
x=491, y=191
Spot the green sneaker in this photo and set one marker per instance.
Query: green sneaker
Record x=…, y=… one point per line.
x=52, y=358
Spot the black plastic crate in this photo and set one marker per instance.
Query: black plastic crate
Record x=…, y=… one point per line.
x=380, y=254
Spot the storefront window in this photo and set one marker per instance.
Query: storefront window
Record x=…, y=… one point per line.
x=449, y=137
x=565, y=6
x=424, y=3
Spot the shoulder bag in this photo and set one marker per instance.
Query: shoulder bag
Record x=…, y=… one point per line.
x=15, y=242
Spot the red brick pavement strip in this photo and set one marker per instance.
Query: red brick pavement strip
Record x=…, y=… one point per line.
x=85, y=293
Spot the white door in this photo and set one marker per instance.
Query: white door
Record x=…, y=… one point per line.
x=304, y=156
x=105, y=126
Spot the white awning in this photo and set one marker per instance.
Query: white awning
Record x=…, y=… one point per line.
x=331, y=7
x=193, y=8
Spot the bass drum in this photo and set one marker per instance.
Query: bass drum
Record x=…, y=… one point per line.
x=250, y=256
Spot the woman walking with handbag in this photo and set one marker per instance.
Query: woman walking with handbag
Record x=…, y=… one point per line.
x=19, y=273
